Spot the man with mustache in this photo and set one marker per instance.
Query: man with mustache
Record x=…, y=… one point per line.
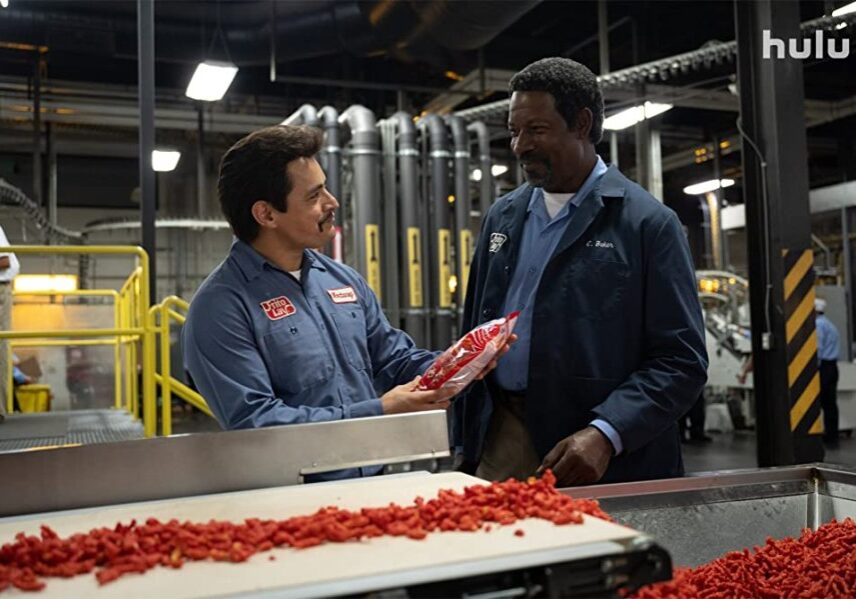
x=279, y=333
x=611, y=347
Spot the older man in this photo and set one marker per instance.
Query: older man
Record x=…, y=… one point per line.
x=611, y=345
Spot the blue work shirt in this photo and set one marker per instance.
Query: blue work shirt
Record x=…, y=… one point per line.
x=265, y=349
x=539, y=239
x=827, y=339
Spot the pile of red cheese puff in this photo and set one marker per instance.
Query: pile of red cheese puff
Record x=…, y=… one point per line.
x=133, y=547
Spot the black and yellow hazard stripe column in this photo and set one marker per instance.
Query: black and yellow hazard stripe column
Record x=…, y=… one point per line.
x=801, y=338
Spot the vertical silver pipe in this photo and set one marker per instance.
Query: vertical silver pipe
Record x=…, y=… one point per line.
x=412, y=231
x=331, y=161
x=724, y=253
x=486, y=187
x=848, y=282
x=441, y=234
x=463, y=230
x=390, y=230
x=52, y=174
x=37, y=132
x=365, y=157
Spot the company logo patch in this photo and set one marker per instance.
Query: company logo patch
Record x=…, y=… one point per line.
x=278, y=307
x=345, y=295
x=496, y=241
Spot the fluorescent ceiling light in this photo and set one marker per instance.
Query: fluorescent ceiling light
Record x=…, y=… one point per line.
x=844, y=10
x=211, y=80
x=476, y=175
x=4, y=3
x=44, y=283
x=841, y=26
x=697, y=189
x=631, y=116
x=164, y=161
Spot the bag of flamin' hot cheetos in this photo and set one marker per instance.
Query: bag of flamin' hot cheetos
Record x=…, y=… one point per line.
x=459, y=365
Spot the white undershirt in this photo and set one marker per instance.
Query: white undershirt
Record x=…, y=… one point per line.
x=295, y=274
x=554, y=202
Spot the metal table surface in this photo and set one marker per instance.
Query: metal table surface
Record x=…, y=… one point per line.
x=698, y=518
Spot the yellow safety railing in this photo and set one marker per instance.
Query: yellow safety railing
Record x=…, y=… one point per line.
x=131, y=328
x=167, y=312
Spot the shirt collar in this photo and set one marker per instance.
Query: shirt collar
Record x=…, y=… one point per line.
x=596, y=173
x=253, y=263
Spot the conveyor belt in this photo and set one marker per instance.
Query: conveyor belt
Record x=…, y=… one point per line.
x=29, y=431
x=334, y=569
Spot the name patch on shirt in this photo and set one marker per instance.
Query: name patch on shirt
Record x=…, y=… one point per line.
x=345, y=295
x=278, y=307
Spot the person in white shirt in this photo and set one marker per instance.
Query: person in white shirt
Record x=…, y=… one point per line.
x=9, y=268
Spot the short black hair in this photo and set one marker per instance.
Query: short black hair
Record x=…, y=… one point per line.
x=254, y=169
x=572, y=85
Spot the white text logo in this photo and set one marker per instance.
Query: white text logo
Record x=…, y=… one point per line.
x=802, y=48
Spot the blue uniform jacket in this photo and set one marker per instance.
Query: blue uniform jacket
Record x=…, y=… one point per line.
x=265, y=350
x=617, y=330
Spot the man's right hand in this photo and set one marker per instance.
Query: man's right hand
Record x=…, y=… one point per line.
x=406, y=398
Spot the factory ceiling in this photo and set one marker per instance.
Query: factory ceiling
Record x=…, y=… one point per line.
x=389, y=55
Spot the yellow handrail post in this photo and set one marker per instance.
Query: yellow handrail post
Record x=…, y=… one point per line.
x=166, y=374
x=117, y=357
x=10, y=383
x=149, y=402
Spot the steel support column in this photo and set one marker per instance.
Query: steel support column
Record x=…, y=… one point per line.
x=200, y=162
x=146, y=90
x=778, y=237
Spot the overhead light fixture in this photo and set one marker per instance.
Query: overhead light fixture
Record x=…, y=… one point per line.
x=841, y=26
x=164, y=161
x=844, y=10
x=210, y=80
x=4, y=3
x=631, y=116
x=697, y=189
x=44, y=283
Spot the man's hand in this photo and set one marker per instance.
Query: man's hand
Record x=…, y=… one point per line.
x=492, y=364
x=5, y=262
x=579, y=459
x=405, y=398
x=741, y=378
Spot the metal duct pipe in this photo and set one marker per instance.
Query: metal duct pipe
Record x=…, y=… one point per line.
x=410, y=241
x=440, y=240
x=331, y=162
x=486, y=187
x=305, y=115
x=365, y=157
x=463, y=231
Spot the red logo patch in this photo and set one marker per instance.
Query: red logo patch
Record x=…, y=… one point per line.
x=278, y=307
x=345, y=295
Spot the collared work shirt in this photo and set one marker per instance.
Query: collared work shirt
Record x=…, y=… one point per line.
x=827, y=339
x=541, y=235
x=265, y=350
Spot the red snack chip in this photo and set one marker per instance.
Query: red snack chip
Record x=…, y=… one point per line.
x=459, y=365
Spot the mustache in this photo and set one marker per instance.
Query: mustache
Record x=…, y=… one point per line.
x=330, y=216
x=533, y=157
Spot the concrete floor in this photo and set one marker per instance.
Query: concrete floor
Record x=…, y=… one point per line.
x=729, y=451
